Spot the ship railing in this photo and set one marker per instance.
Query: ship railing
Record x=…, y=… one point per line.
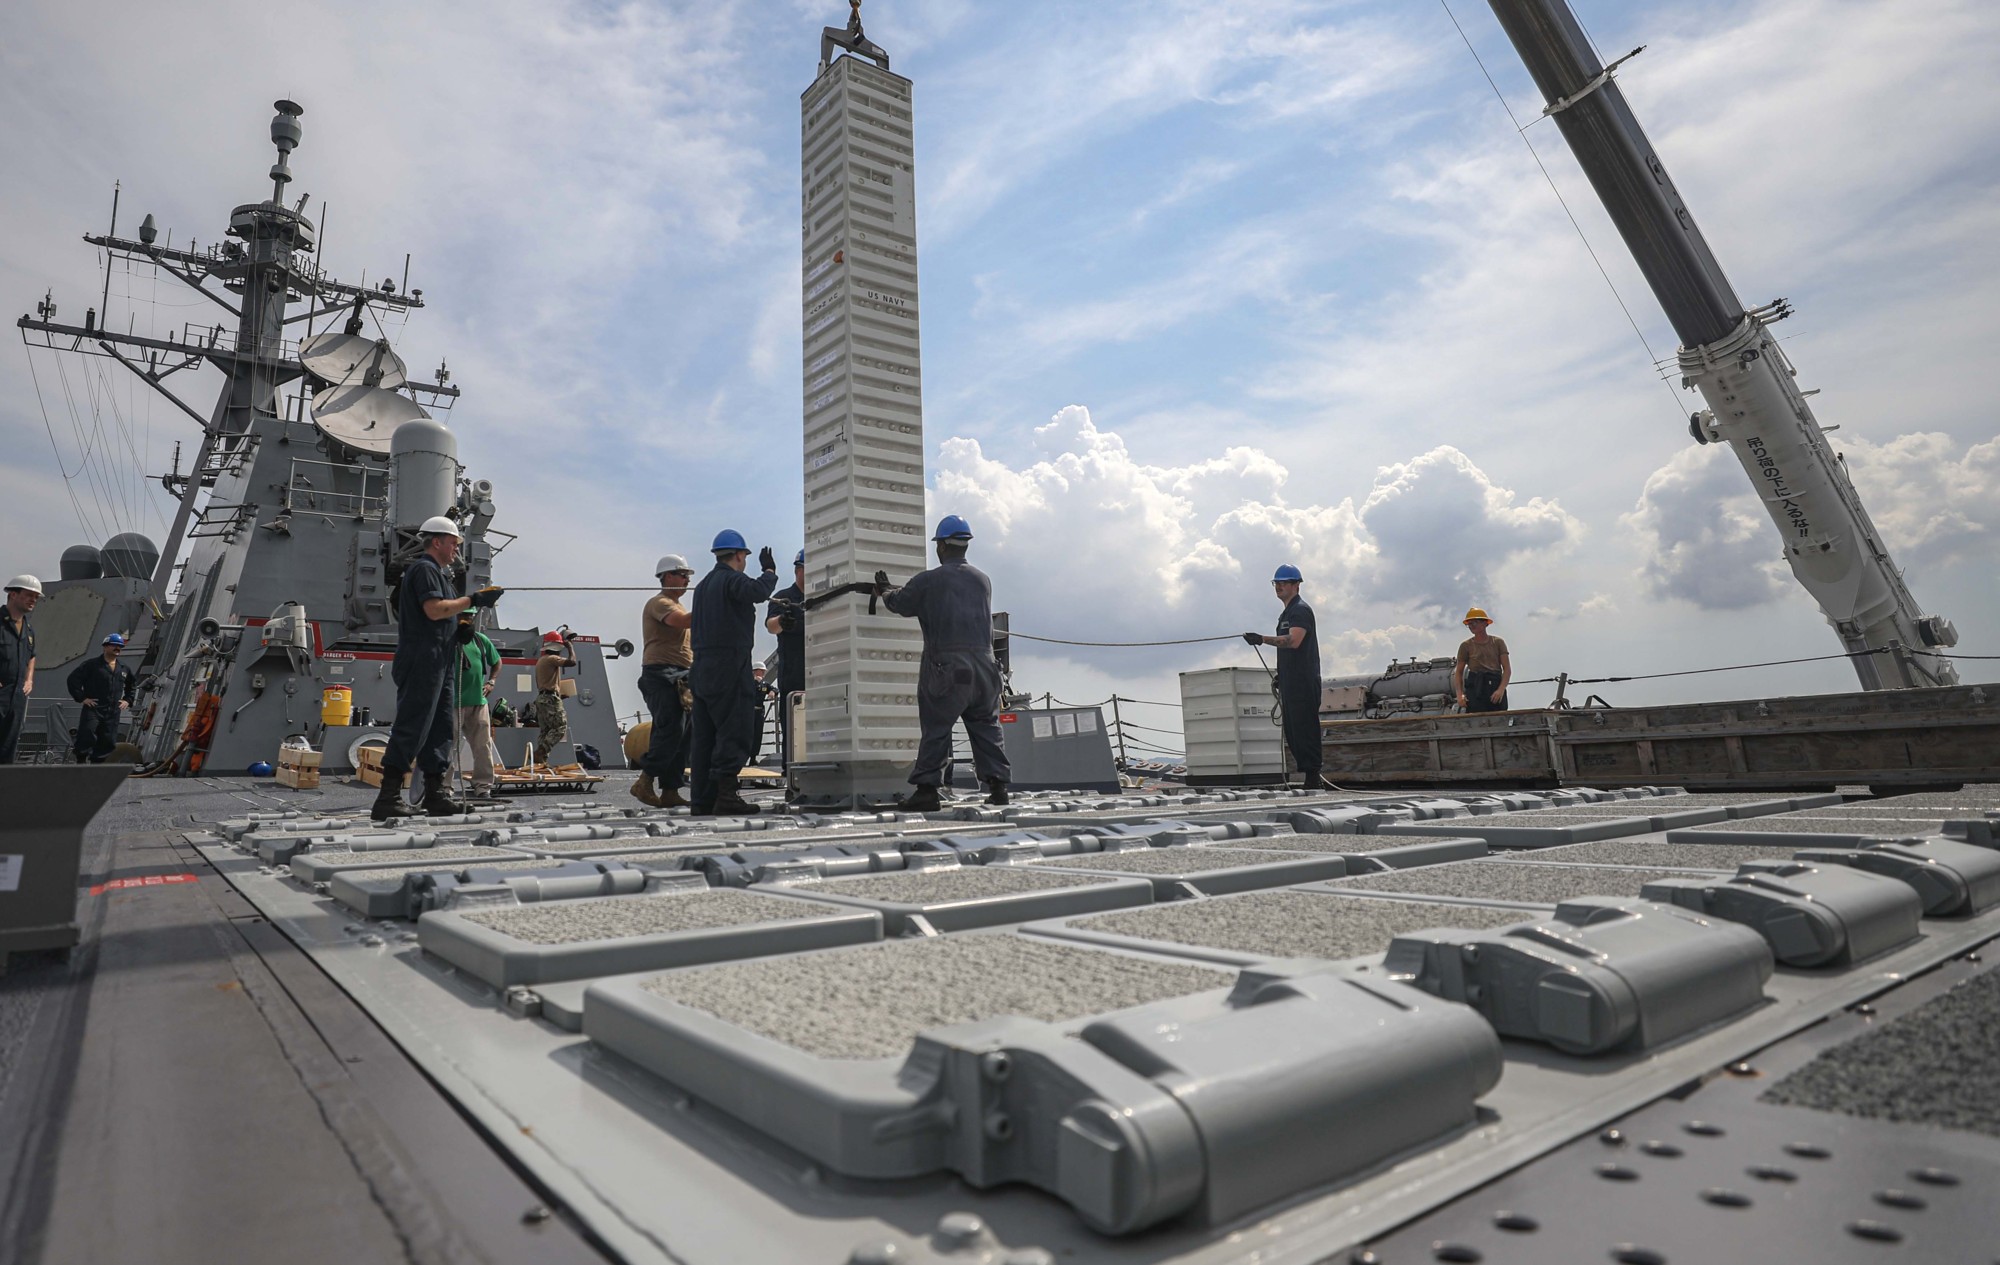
x=310, y=489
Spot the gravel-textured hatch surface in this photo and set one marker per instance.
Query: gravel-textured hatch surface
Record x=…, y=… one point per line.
x=930, y=887
x=1178, y=860
x=1508, y=880
x=1865, y=812
x=396, y=857
x=1295, y=924
x=587, y=845
x=669, y=859
x=1798, y=824
x=622, y=917
x=1972, y=797
x=1937, y=1065
x=1544, y=817
x=404, y=871
x=1690, y=856
x=1326, y=843
x=870, y=1003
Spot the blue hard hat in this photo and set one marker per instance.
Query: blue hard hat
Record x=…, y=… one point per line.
x=260, y=769
x=952, y=527
x=1287, y=574
x=800, y=560
x=115, y=639
x=728, y=541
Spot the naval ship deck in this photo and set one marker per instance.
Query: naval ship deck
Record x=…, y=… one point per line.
x=238, y=1063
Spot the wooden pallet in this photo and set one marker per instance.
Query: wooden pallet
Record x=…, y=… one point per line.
x=533, y=779
x=298, y=768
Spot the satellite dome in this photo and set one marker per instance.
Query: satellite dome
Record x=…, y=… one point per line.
x=423, y=434
x=129, y=555
x=82, y=562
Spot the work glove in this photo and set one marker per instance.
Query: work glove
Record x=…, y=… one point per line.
x=788, y=619
x=881, y=583
x=1255, y=639
x=487, y=596
x=766, y=559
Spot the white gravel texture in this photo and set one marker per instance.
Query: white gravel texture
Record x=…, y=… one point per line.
x=1286, y=924
x=1180, y=860
x=434, y=858
x=623, y=917
x=403, y=871
x=933, y=887
x=871, y=1002
x=1798, y=824
x=1517, y=881
x=1691, y=856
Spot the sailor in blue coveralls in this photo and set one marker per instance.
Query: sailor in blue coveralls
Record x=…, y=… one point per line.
x=426, y=674
x=1297, y=640
x=959, y=680
x=105, y=687
x=728, y=710
x=17, y=660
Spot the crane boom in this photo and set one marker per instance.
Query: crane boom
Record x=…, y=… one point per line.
x=1729, y=355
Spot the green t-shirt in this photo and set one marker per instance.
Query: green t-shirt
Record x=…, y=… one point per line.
x=477, y=659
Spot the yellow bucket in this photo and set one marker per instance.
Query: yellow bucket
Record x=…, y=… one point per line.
x=336, y=705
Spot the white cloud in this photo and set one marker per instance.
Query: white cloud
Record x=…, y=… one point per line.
x=1706, y=539
x=1932, y=497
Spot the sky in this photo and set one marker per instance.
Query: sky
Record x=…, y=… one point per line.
x=1204, y=289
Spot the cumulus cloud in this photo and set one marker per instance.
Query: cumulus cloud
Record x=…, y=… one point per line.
x=1706, y=539
x=1088, y=541
x=1931, y=496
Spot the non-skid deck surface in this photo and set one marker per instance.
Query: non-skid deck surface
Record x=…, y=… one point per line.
x=621, y=917
x=404, y=871
x=1938, y=1065
x=440, y=856
x=1800, y=824
x=1692, y=856
x=871, y=1002
x=1518, y=881
x=928, y=887
x=1175, y=860
x=1295, y=924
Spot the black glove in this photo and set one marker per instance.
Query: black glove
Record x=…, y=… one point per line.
x=788, y=619
x=487, y=596
x=881, y=583
x=1255, y=639
x=766, y=559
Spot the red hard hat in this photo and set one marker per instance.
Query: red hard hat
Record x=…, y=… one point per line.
x=553, y=636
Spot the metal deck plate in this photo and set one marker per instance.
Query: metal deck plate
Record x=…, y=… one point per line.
x=956, y=898
x=1208, y=869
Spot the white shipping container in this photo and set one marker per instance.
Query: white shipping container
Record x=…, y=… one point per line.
x=1226, y=715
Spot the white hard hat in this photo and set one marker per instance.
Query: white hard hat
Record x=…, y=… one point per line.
x=439, y=525
x=27, y=582
x=672, y=562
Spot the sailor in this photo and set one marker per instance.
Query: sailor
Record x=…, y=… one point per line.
x=1297, y=640
x=726, y=713
x=959, y=680
x=551, y=721
x=786, y=616
x=17, y=660
x=1482, y=671
x=663, y=672
x=478, y=673
x=105, y=688
x=425, y=672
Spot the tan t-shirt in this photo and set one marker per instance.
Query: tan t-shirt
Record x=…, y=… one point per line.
x=1481, y=656
x=670, y=646
x=548, y=670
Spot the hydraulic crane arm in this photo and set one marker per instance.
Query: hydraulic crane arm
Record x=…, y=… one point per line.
x=1729, y=355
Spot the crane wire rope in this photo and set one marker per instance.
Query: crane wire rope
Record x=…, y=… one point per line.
x=56, y=448
x=1522, y=131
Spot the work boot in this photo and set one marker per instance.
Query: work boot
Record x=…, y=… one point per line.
x=670, y=797
x=642, y=790
x=437, y=800
x=729, y=802
x=924, y=799
x=389, y=799
x=998, y=789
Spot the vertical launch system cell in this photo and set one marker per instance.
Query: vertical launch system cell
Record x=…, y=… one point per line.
x=864, y=435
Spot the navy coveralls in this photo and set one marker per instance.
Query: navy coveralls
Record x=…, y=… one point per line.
x=1299, y=686
x=953, y=602
x=425, y=672
x=97, y=727
x=791, y=662
x=727, y=709
x=17, y=649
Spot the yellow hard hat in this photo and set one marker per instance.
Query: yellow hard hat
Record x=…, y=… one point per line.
x=1476, y=613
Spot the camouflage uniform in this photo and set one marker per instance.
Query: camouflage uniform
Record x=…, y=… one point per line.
x=552, y=723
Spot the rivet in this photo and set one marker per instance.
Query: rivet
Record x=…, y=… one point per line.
x=1725, y=1198
x=1863, y=1009
x=1703, y=1129
x=1771, y=1173
x=874, y=1254
x=1518, y=1222
x=1901, y=1199
x=960, y=1229
x=1363, y=1256
x=1878, y=1231
x=1665, y=1150
x=1633, y=1254
x=999, y=1126
x=1612, y=1137
x=1616, y=1173
x=996, y=1065
x=1933, y=1177
x=536, y=1215
x=1808, y=1151
x=1458, y=1253
x=1741, y=1069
